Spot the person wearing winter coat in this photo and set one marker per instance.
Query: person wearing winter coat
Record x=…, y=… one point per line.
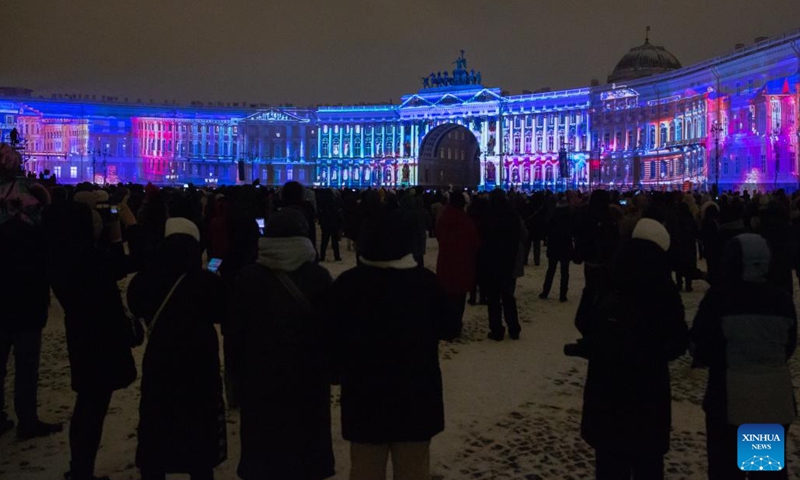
x=536, y=224
x=745, y=331
x=388, y=315
x=278, y=344
x=330, y=222
x=685, y=253
x=501, y=237
x=458, y=248
x=181, y=411
x=559, y=250
x=84, y=279
x=23, y=281
x=634, y=328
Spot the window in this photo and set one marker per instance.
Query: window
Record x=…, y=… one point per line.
x=73, y=172
x=652, y=134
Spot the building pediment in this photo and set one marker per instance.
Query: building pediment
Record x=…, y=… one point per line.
x=485, y=95
x=449, y=100
x=274, y=115
x=416, y=101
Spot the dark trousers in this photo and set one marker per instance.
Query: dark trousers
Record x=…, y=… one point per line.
x=196, y=475
x=502, y=304
x=721, y=445
x=332, y=235
x=86, y=429
x=552, y=263
x=626, y=466
x=457, y=302
x=537, y=251
x=27, y=349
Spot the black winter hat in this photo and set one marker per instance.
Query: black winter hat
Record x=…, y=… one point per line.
x=286, y=222
x=389, y=235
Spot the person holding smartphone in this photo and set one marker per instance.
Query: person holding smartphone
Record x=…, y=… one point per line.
x=181, y=412
x=83, y=275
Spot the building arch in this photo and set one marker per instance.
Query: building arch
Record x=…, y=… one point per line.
x=438, y=168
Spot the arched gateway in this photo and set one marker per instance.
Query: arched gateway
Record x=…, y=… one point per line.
x=449, y=155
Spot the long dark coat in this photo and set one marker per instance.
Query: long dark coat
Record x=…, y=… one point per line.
x=388, y=323
x=278, y=359
x=181, y=412
x=84, y=280
x=636, y=327
x=559, y=235
x=501, y=234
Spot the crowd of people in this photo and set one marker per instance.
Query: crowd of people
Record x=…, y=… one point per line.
x=290, y=331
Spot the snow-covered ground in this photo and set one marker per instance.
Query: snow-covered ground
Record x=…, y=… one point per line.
x=512, y=408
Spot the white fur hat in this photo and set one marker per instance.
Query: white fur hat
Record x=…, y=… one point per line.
x=649, y=229
x=182, y=225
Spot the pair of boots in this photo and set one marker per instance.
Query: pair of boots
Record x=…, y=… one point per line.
x=561, y=298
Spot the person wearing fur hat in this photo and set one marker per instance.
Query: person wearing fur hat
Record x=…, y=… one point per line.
x=634, y=328
x=388, y=315
x=276, y=344
x=745, y=332
x=181, y=412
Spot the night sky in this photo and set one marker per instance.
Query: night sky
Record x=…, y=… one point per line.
x=349, y=51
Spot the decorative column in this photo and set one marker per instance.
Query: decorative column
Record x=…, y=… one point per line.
x=363, y=148
x=288, y=142
x=350, y=147
x=545, y=143
x=319, y=142
x=383, y=139
x=556, y=136
x=303, y=129
x=484, y=135
x=402, y=140
x=341, y=147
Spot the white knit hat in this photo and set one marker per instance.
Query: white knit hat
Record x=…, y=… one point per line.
x=649, y=229
x=182, y=225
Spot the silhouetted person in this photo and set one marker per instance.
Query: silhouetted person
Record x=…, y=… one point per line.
x=634, y=328
x=459, y=242
x=181, y=411
x=279, y=341
x=745, y=331
x=501, y=234
x=84, y=278
x=387, y=358
x=559, y=250
x=23, y=281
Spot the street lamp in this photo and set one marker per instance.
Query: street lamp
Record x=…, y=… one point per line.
x=716, y=129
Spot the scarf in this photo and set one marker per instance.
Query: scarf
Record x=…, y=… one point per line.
x=404, y=263
x=285, y=253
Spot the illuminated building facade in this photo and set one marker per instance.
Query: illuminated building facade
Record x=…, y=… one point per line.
x=656, y=124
